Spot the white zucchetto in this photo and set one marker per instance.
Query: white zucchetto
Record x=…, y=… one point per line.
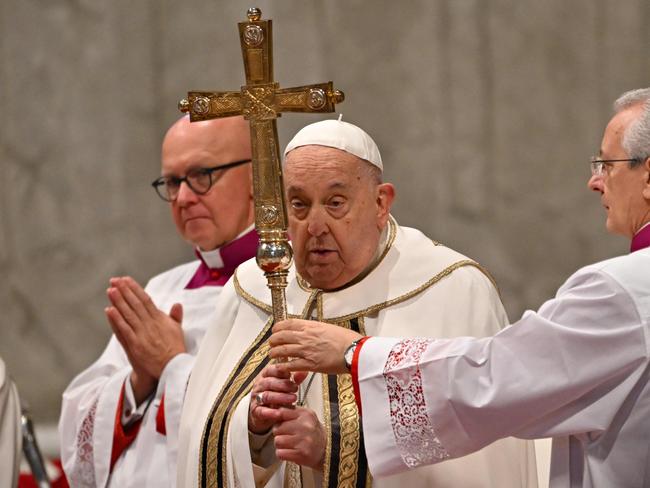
x=339, y=135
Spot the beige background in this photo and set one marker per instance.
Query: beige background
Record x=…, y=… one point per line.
x=486, y=113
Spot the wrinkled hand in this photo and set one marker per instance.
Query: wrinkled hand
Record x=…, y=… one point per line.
x=300, y=437
x=150, y=337
x=277, y=389
x=312, y=346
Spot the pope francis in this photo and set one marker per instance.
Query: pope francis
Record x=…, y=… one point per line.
x=354, y=267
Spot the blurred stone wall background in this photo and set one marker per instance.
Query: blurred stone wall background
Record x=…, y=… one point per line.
x=486, y=113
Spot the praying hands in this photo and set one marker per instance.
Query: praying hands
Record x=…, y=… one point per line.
x=150, y=337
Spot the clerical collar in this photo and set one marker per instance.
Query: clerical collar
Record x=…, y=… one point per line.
x=641, y=239
x=218, y=265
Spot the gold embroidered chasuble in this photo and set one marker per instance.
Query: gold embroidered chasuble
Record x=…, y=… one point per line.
x=414, y=284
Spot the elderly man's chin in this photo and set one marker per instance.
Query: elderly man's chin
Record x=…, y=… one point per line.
x=201, y=233
x=324, y=276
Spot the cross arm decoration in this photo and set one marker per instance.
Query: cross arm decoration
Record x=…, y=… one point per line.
x=261, y=101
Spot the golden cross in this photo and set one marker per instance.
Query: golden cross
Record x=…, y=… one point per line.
x=261, y=101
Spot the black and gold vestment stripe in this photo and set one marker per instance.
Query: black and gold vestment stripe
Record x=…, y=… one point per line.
x=212, y=468
x=346, y=465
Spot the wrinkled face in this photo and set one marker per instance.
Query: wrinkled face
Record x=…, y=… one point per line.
x=624, y=191
x=337, y=212
x=210, y=220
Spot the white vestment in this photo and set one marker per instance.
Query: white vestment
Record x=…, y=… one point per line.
x=90, y=402
x=417, y=288
x=10, y=433
x=577, y=370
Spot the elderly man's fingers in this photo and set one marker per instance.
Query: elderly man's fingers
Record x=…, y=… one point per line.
x=133, y=300
x=287, y=415
x=176, y=312
x=275, y=384
x=298, y=365
x=141, y=295
x=299, y=376
x=285, y=441
x=287, y=351
x=117, y=297
x=291, y=324
x=266, y=414
x=274, y=371
x=117, y=300
x=284, y=337
x=121, y=328
x=289, y=455
x=277, y=399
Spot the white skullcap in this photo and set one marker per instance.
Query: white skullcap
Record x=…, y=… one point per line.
x=339, y=135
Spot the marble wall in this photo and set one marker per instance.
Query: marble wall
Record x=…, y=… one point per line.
x=486, y=114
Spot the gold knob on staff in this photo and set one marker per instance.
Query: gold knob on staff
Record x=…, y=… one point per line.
x=184, y=105
x=337, y=96
x=254, y=14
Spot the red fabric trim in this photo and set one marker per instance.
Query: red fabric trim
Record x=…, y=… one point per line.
x=27, y=480
x=161, y=428
x=354, y=371
x=122, y=438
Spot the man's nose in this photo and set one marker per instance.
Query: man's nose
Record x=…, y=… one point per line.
x=185, y=195
x=317, y=222
x=595, y=183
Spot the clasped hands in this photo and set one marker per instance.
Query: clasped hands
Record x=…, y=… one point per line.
x=299, y=436
x=149, y=336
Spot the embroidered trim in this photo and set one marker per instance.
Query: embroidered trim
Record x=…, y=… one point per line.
x=83, y=474
x=242, y=374
x=380, y=306
x=415, y=436
x=327, y=421
x=345, y=456
x=248, y=297
x=350, y=428
x=373, y=308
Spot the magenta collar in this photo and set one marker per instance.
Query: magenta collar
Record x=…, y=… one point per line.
x=641, y=239
x=232, y=255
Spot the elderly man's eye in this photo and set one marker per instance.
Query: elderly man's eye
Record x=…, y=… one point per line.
x=297, y=204
x=336, y=202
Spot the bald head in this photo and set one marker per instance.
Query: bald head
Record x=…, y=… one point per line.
x=228, y=137
x=210, y=220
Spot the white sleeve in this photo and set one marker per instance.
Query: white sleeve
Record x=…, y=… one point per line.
x=173, y=382
x=87, y=420
x=542, y=376
x=10, y=433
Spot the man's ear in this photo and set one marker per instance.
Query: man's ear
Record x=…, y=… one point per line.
x=385, y=197
x=646, y=172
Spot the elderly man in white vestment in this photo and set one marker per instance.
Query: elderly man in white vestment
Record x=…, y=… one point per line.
x=10, y=433
x=577, y=370
x=354, y=267
x=120, y=417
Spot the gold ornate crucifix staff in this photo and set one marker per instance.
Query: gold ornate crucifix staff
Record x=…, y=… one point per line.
x=261, y=101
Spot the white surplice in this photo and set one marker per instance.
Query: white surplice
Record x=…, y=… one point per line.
x=10, y=433
x=417, y=289
x=577, y=370
x=90, y=402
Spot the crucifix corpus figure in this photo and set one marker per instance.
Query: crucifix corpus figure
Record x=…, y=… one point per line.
x=261, y=101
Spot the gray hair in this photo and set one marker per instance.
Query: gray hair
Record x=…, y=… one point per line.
x=636, y=138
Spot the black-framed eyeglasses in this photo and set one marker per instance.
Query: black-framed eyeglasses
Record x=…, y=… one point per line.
x=200, y=180
x=598, y=165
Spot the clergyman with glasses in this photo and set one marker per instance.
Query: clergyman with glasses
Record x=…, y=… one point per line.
x=120, y=417
x=576, y=370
